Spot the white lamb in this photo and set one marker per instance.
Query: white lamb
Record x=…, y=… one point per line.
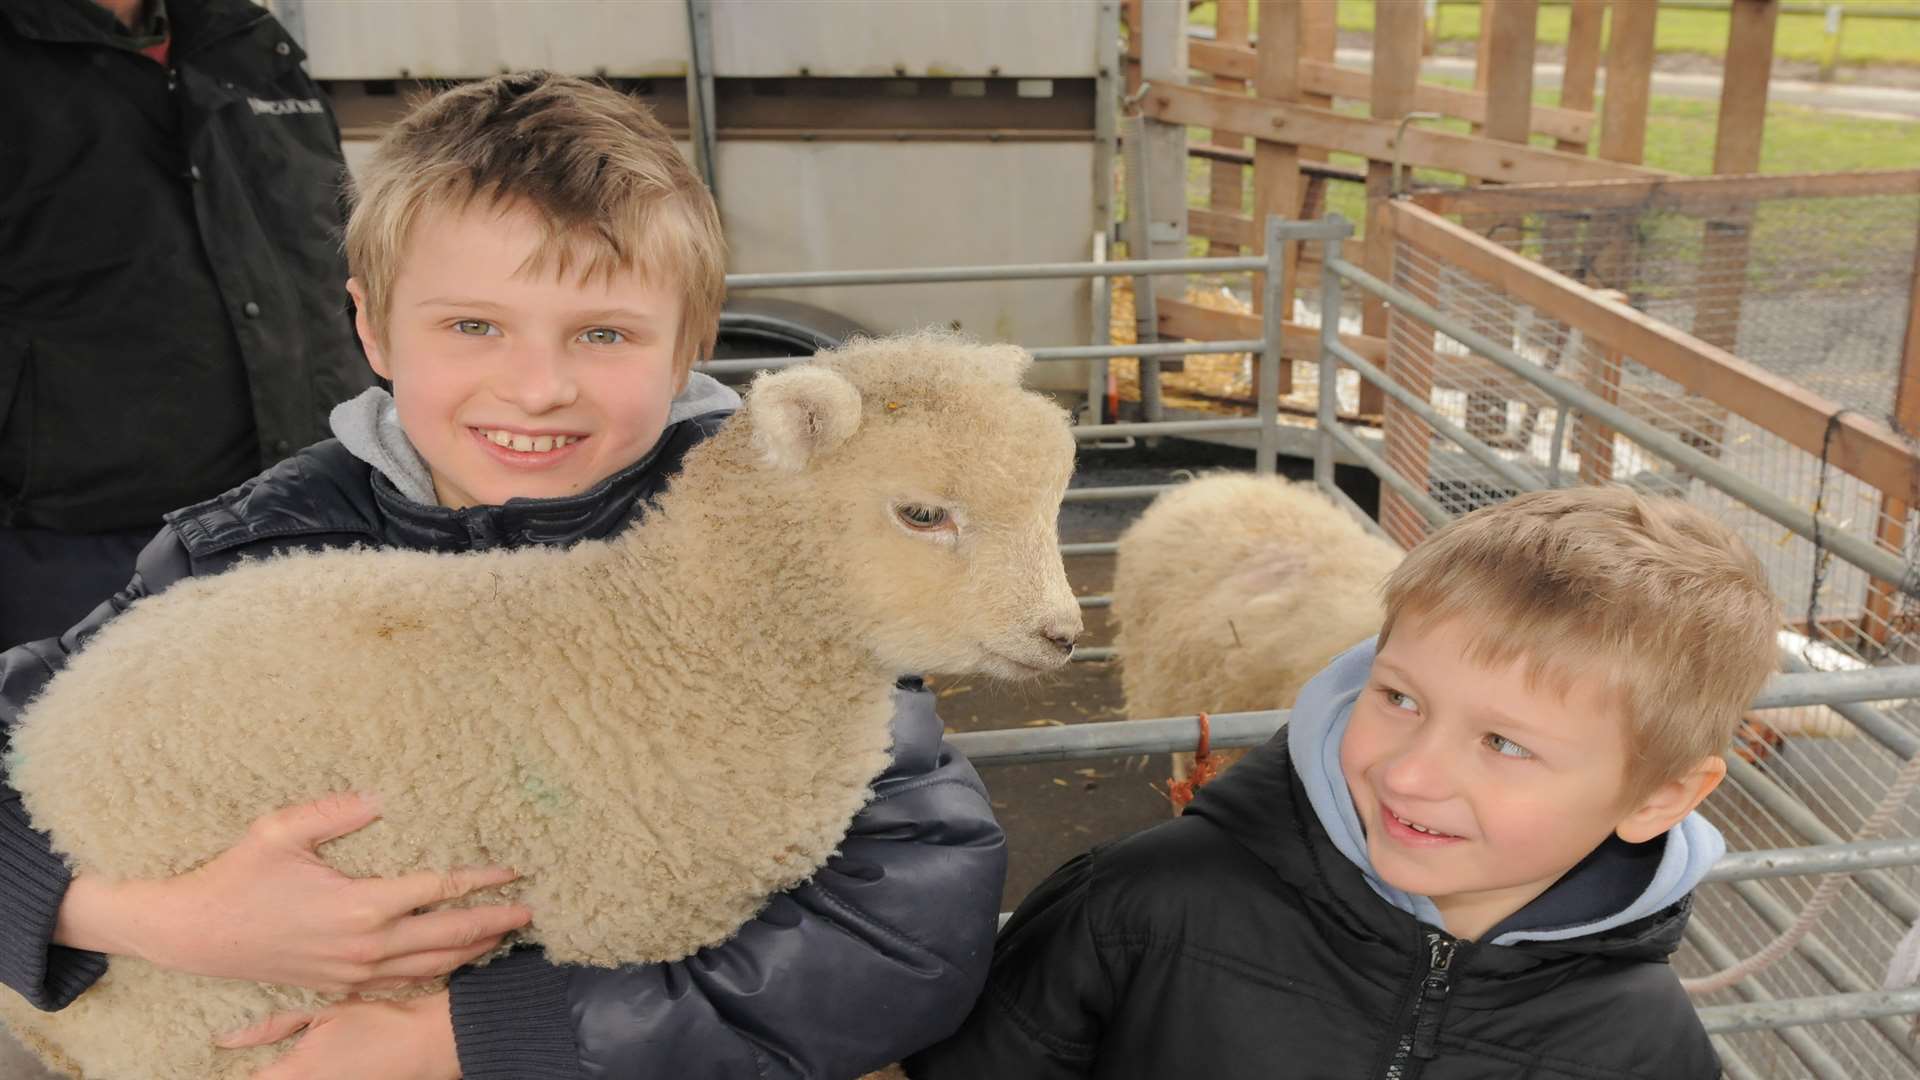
x=889, y=509
x=1232, y=591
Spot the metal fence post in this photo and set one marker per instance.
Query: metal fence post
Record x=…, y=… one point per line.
x=1266, y=461
x=1101, y=291
x=1146, y=319
x=1328, y=411
x=700, y=104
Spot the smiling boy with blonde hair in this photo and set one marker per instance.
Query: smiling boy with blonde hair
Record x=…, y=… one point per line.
x=536, y=270
x=1469, y=855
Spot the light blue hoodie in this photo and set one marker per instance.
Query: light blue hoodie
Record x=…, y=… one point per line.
x=1617, y=884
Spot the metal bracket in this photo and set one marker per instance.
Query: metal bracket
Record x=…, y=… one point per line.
x=1399, y=133
x=1162, y=232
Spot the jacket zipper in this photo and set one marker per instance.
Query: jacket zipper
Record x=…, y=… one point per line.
x=1418, y=1043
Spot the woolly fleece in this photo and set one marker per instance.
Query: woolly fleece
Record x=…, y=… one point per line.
x=1231, y=591
x=659, y=731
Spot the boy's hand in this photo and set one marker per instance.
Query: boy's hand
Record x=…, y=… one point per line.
x=360, y=1040
x=270, y=910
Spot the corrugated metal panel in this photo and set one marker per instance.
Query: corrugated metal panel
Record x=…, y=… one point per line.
x=390, y=39
x=904, y=37
x=864, y=206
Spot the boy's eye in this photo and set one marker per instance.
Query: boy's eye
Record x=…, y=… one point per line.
x=473, y=327
x=1400, y=701
x=601, y=335
x=1506, y=747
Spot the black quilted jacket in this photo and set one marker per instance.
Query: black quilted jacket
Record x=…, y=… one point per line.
x=1237, y=942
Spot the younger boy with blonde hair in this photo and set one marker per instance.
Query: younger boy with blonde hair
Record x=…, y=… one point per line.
x=536, y=270
x=1469, y=855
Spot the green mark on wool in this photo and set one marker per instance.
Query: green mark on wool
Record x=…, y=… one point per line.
x=545, y=795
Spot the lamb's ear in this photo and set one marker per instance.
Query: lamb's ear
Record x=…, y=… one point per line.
x=1001, y=363
x=800, y=413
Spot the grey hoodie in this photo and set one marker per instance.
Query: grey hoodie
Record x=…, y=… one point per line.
x=369, y=427
x=1617, y=884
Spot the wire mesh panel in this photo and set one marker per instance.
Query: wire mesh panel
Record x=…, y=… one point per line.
x=1830, y=320
x=1814, y=288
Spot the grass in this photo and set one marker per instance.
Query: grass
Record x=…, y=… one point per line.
x=1863, y=38
x=1798, y=139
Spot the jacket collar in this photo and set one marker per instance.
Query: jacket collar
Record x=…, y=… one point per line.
x=594, y=514
x=368, y=427
x=324, y=490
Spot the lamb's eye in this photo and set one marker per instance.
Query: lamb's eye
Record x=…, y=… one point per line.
x=924, y=518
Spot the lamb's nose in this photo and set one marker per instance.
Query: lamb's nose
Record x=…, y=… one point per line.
x=1059, y=640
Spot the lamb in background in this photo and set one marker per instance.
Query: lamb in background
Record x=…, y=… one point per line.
x=1232, y=591
x=576, y=714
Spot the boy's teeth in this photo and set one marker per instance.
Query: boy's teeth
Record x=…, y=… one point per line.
x=529, y=444
x=1418, y=827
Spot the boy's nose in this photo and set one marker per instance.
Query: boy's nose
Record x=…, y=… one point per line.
x=537, y=380
x=1417, y=772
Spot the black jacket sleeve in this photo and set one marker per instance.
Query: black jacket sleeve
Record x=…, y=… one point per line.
x=33, y=880
x=1047, y=998
x=881, y=953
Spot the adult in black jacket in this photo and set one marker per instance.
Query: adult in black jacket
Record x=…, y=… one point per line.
x=172, y=292
x=1239, y=941
x=881, y=952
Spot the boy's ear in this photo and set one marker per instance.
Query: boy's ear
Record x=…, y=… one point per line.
x=1667, y=804
x=801, y=413
x=363, y=326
